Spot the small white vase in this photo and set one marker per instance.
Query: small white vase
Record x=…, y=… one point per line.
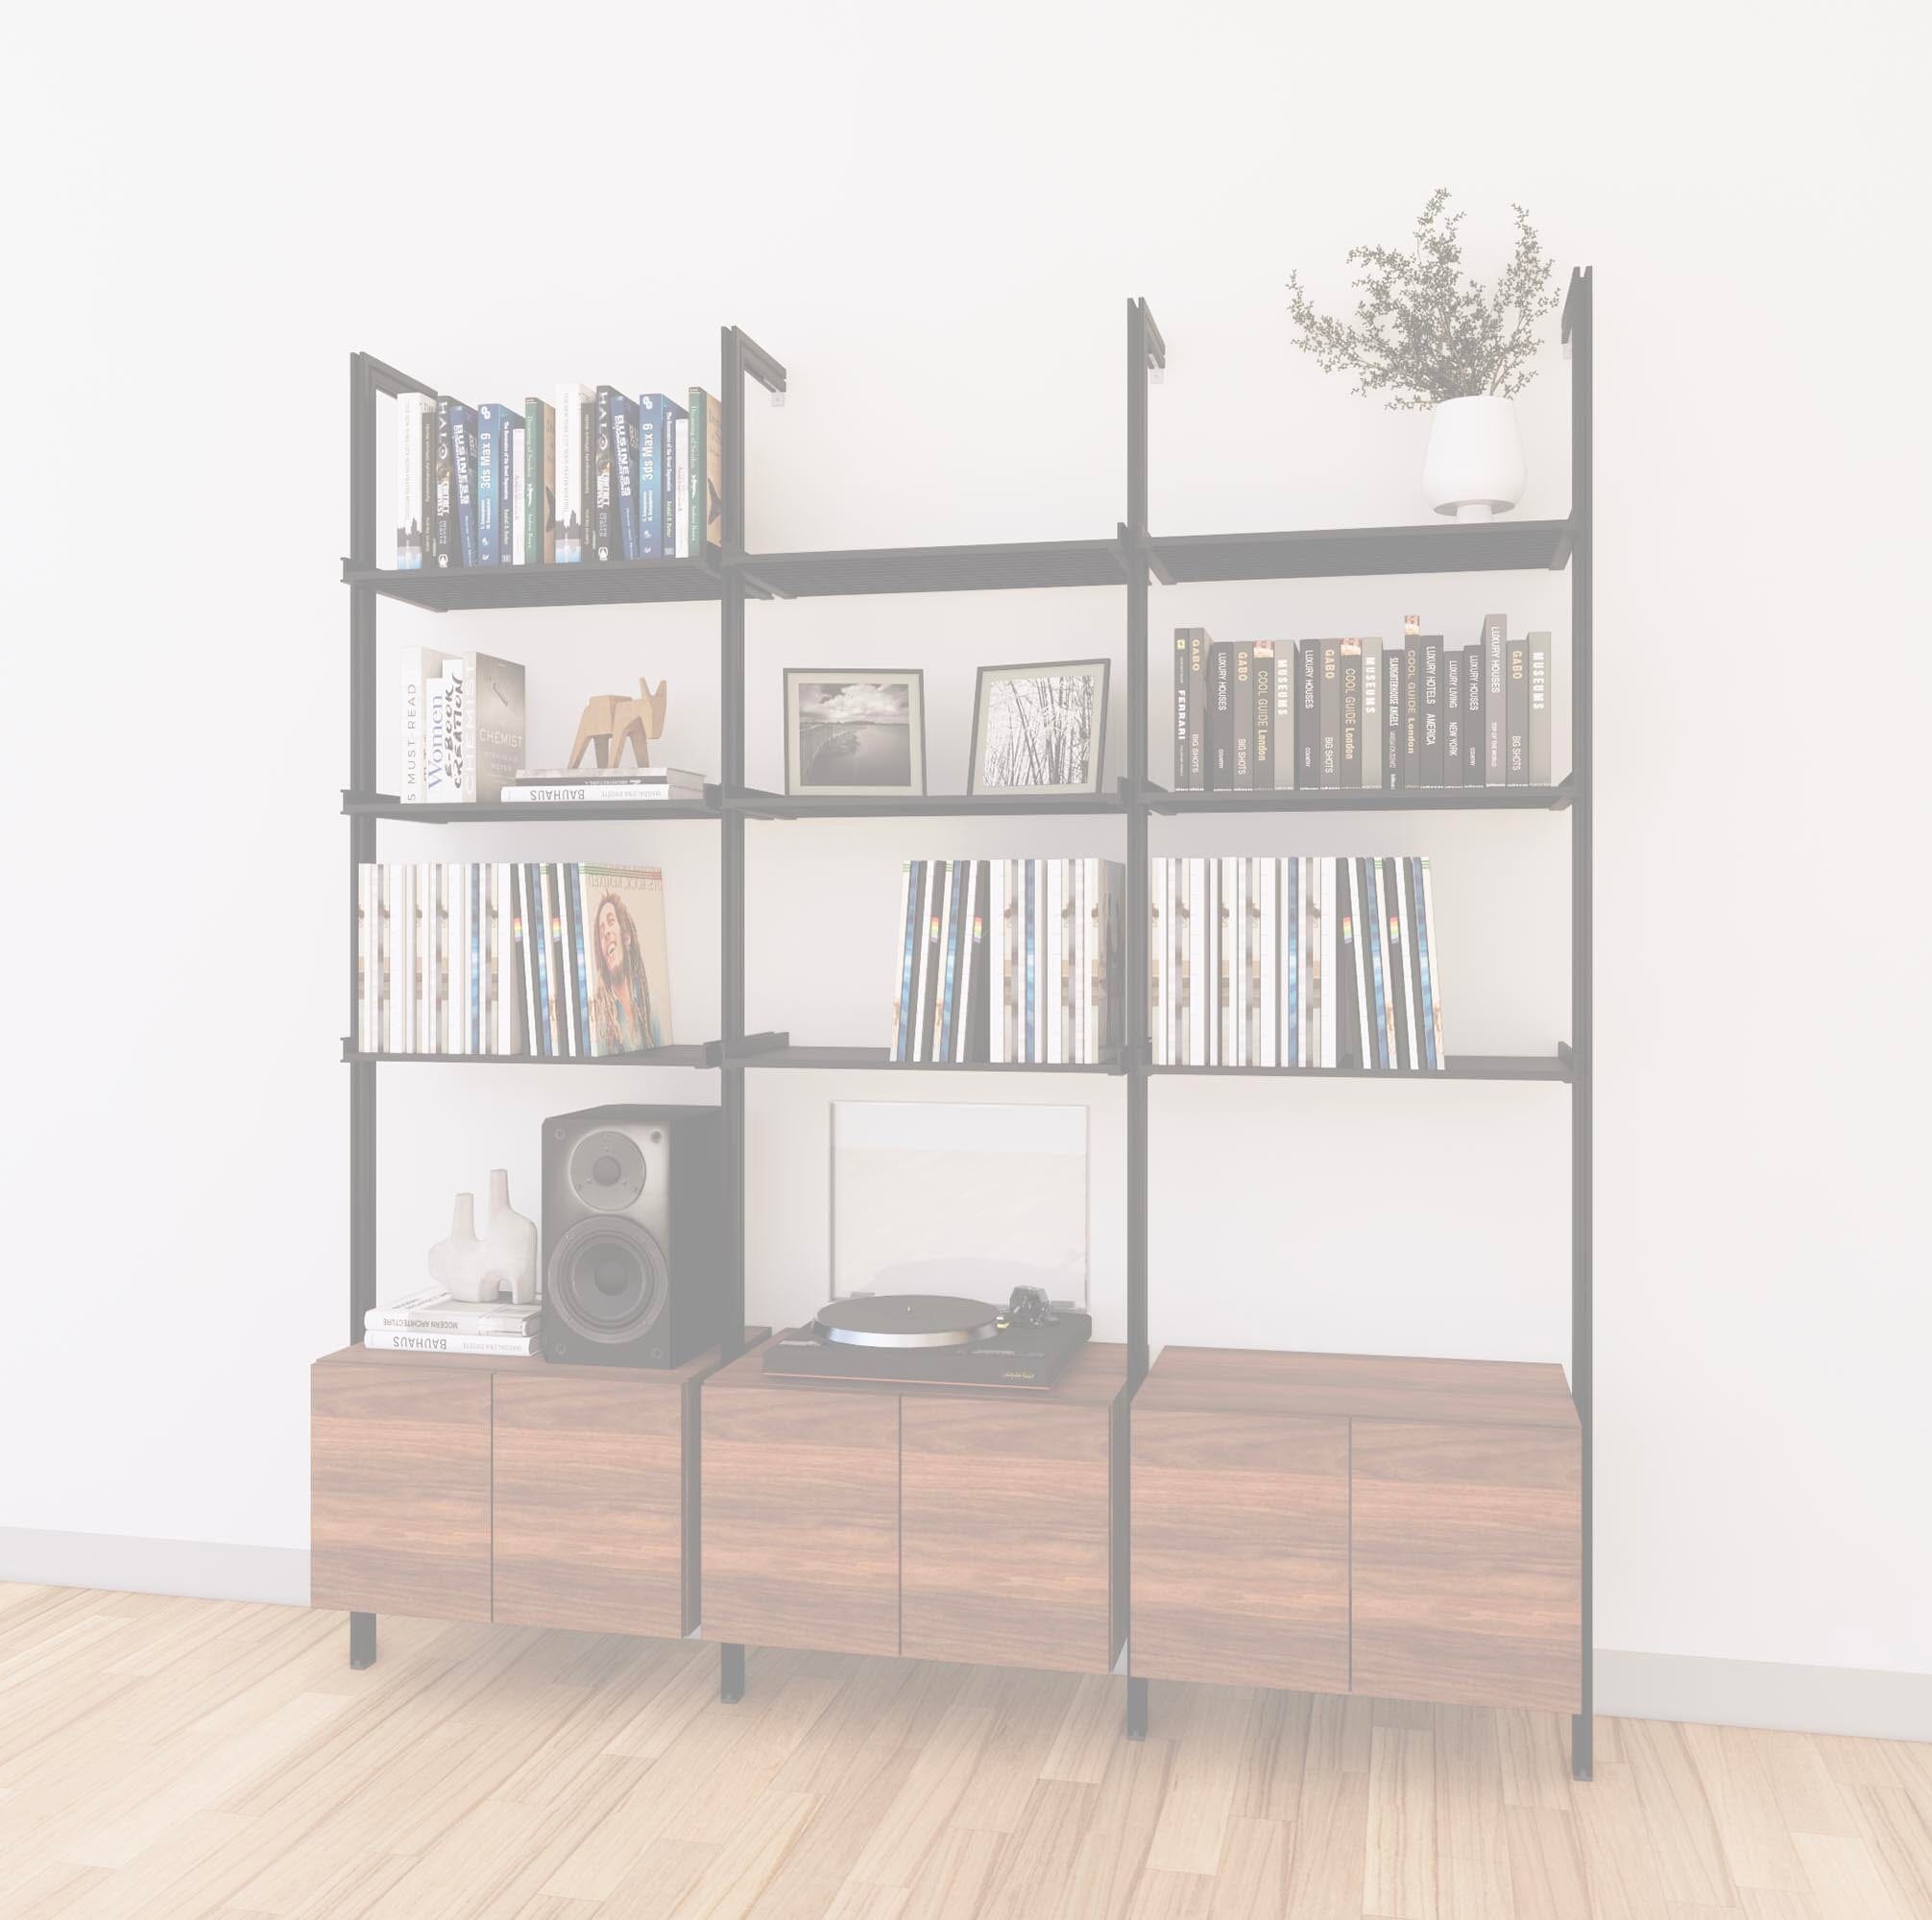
x=460, y=1264
x=1474, y=466
x=510, y=1244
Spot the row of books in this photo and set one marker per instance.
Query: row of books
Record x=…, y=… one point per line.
x=431, y=1321
x=545, y=960
x=1010, y=961
x=599, y=476
x=1306, y=961
x=1347, y=713
x=462, y=725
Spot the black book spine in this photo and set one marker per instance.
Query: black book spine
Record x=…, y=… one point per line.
x=1240, y=728
x=1265, y=748
x=1220, y=716
x=1411, y=715
x=1395, y=967
x=1351, y=713
x=1431, y=710
x=1392, y=659
x=1452, y=716
x=1330, y=720
x=1472, y=716
x=604, y=544
x=1516, y=673
x=443, y=501
x=1347, y=1033
x=1183, y=772
x=1286, y=699
x=1539, y=645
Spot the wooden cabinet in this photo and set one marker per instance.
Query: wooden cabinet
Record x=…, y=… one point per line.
x=933, y=1524
x=399, y=1491
x=460, y=1488
x=1336, y=1523
x=801, y=1516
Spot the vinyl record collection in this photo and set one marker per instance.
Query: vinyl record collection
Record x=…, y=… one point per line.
x=599, y=475
x=1010, y=961
x=1345, y=713
x=548, y=960
x=1303, y=962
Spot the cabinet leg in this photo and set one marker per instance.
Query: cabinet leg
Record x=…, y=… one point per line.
x=1136, y=1710
x=731, y=1673
x=361, y=1641
x=1582, y=1746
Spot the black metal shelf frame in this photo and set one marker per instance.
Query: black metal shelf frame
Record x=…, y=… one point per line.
x=1132, y=559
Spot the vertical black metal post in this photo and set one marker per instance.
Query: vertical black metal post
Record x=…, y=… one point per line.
x=738, y=355
x=1578, y=331
x=362, y=392
x=1145, y=348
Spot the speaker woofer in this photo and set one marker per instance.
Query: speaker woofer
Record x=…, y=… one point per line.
x=607, y=1281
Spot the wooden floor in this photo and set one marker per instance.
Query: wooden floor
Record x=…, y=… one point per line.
x=169, y=1759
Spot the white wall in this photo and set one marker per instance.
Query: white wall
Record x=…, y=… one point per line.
x=936, y=228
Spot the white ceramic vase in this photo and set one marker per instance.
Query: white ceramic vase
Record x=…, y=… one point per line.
x=510, y=1244
x=460, y=1264
x=1474, y=466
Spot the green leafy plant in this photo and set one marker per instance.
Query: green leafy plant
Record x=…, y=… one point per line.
x=1425, y=331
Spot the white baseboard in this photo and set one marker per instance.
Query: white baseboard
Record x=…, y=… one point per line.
x=1764, y=1693
x=201, y=1569
x=1633, y=1686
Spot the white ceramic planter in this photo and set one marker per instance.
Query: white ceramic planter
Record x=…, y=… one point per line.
x=1474, y=466
x=510, y=1244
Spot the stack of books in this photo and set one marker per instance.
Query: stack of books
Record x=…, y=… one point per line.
x=462, y=725
x=646, y=785
x=599, y=476
x=1010, y=961
x=553, y=960
x=1305, y=962
x=1316, y=715
x=430, y=1321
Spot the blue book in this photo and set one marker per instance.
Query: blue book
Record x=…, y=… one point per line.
x=1371, y=913
x=915, y=883
x=494, y=509
x=657, y=537
x=955, y=905
x=463, y=480
x=1028, y=1050
x=625, y=473
x=674, y=477
x=1425, y=1005
x=536, y=923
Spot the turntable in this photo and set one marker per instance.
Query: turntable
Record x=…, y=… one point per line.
x=932, y=1339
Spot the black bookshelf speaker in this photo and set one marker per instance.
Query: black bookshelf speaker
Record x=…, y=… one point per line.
x=633, y=1230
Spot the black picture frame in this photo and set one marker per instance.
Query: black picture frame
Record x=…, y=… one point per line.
x=914, y=678
x=1102, y=668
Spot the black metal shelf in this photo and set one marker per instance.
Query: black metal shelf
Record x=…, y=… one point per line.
x=1374, y=800
x=656, y=1056
x=1547, y=1067
x=386, y=806
x=936, y=570
x=878, y=1060
x=759, y=805
x=615, y=583
x=1343, y=553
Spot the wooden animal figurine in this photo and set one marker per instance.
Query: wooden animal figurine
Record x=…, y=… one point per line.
x=610, y=719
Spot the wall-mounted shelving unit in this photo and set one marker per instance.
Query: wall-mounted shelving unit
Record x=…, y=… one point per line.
x=1128, y=560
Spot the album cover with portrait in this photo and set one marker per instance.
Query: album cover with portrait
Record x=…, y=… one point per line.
x=626, y=965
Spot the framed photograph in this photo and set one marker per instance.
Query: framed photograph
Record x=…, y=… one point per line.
x=854, y=732
x=1039, y=728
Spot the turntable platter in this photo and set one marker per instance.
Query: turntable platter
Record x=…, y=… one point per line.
x=908, y=1320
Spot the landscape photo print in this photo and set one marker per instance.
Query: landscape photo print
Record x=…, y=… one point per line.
x=854, y=732
x=1040, y=729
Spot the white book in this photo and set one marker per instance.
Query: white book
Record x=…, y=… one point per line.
x=1408, y=925
x=1331, y=975
x=1433, y=952
x=923, y=932
x=490, y=1346
x=1176, y=1011
x=1311, y=961
x=413, y=414
x=415, y=667
x=1365, y=983
x=681, y=506
x=508, y=1000
x=1157, y=926
x=460, y=981
x=996, y=957
x=428, y=954
x=1235, y=872
x=518, y=523
x=1270, y=957
x=431, y=1310
x=1040, y=954
x=572, y=401
x=1059, y=1042
x=402, y=1034
x=1199, y=986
